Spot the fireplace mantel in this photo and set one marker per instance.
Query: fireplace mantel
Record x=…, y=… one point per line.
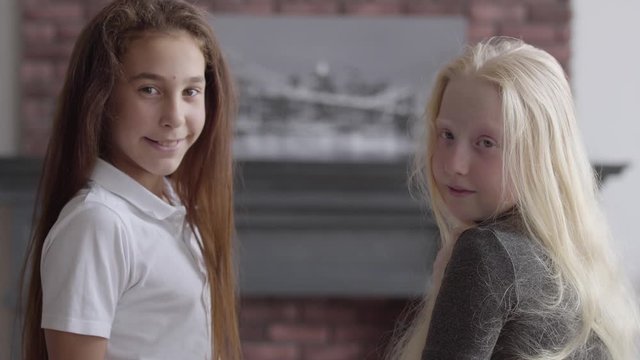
x=304, y=229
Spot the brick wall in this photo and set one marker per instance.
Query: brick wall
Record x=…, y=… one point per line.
x=282, y=329
x=49, y=28
x=317, y=329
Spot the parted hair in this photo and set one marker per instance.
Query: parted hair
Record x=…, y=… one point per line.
x=203, y=181
x=556, y=192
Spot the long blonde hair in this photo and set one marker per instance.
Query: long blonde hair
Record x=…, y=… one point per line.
x=556, y=191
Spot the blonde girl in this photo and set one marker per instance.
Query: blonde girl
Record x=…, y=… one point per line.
x=525, y=269
x=131, y=252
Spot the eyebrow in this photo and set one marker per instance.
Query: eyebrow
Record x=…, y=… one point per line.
x=441, y=121
x=484, y=129
x=156, y=77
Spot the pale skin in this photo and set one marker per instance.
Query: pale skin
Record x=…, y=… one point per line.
x=159, y=113
x=467, y=160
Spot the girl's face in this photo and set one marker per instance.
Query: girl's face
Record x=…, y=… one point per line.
x=157, y=107
x=467, y=157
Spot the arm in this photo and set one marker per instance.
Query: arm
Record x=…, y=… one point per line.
x=473, y=301
x=84, y=271
x=68, y=346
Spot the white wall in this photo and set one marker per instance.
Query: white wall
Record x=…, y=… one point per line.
x=606, y=81
x=8, y=78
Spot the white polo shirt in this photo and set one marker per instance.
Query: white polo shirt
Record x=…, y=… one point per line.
x=120, y=263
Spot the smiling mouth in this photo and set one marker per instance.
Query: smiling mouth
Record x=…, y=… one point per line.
x=459, y=191
x=165, y=144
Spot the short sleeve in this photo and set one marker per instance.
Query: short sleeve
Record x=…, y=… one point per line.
x=474, y=301
x=84, y=271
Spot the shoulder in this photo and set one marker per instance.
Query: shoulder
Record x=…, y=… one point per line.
x=481, y=259
x=507, y=256
x=99, y=206
x=482, y=244
x=506, y=238
x=475, y=298
x=529, y=257
x=88, y=221
x=90, y=208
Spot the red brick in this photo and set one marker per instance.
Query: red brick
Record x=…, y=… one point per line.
x=532, y=33
x=251, y=7
x=318, y=7
x=492, y=12
x=556, y=12
x=333, y=352
x=33, y=108
x=70, y=30
x=252, y=333
x=38, y=32
x=35, y=140
x=359, y=333
x=535, y=2
x=561, y=52
x=61, y=69
x=42, y=89
x=567, y=68
x=36, y=71
x=383, y=312
x=94, y=6
x=330, y=312
x=58, y=49
x=54, y=11
x=563, y=33
x=270, y=351
x=39, y=121
x=26, y=4
x=373, y=8
x=261, y=311
x=298, y=332
x=477, y=32
x=436, y=8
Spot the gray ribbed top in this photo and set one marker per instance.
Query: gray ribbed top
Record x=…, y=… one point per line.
x=490, y=304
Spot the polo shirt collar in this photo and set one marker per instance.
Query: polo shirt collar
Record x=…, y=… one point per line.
x=122, y=185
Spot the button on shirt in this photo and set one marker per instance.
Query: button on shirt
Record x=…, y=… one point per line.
x=122, y=264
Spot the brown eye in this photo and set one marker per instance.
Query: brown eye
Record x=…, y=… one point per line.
x=149, y=90
x=191, y=92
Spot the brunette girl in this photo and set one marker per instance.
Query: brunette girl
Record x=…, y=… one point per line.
x=131, y=256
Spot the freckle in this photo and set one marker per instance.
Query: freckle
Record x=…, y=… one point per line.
x=174, y=77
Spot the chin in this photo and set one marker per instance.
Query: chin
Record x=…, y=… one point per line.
x=467, y=218
x=164, y=169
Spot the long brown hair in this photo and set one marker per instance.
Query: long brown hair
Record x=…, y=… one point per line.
x=203, y=181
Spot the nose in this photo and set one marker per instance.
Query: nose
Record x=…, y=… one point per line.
x=458, y=160
x=173, y=114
